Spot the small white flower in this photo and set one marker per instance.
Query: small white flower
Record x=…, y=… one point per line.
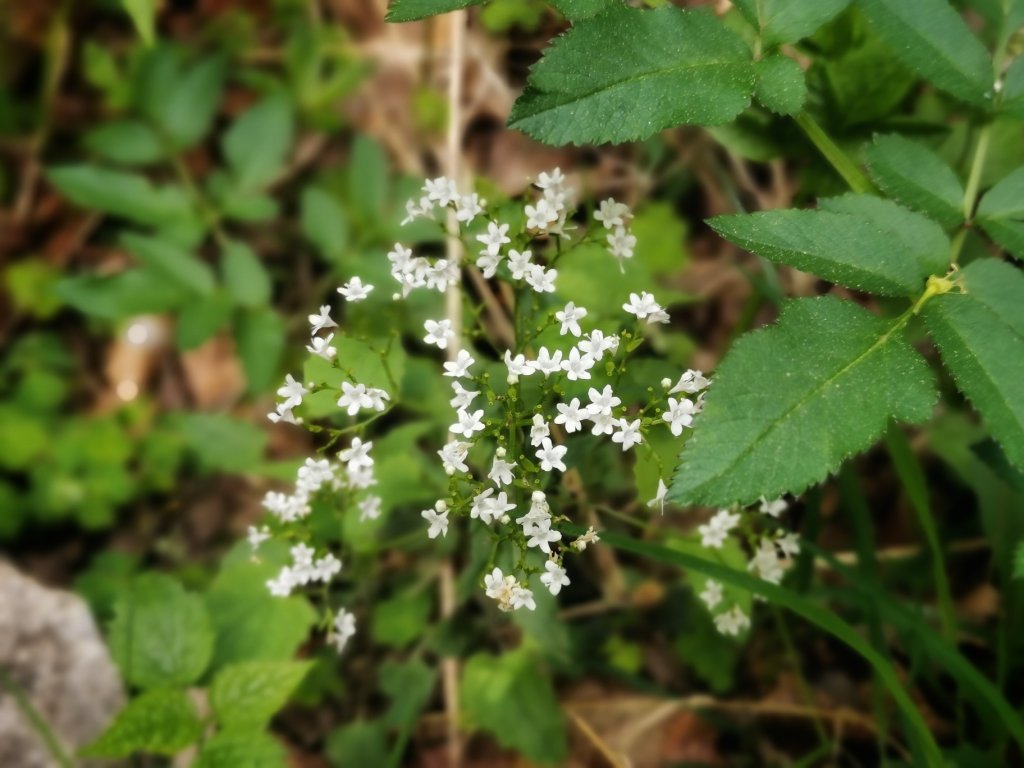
x=588, y=538
x=322, y=347
x=715, y=531
x=602, y=401
x=284, y=414
x=570, y=319
x=550, y=456
x=488, y=263
x=501, y=470
x=354, y=397
x=519, y=263
x=642, y=306
x=463, y=397
x=659, y=498
x=257, y=536
x=495, y=237
x=439, y=333
x=283, y=584
x=539, y=430
x=517, y=366
x=554, y=577
x=453, y=456
x=543, y=536
x=323, y=320
x=773, y=508
x=521, y=597
x=292, y=391
x=468, y=207
x=679, y=415
x=691, y=382
x=540, y=279
x=612, y=213
x=789, y=544
x=571, y=415
x=438, y=520
x=765, y=562
x=468, y=423
x=369, y=508
x=604, y=423
x=378, y=397
x=576, y=366
x=548, y=363
x=459, y=368
x=711, y=595
x=354, y=290
x=542, y=214
x=441, y=190
x=416, y=209
x=596, y=344
x=621, y=243
x=357, y=455
x=628, y=433
x=732, y=622
x=551, y=180
x=342, y=630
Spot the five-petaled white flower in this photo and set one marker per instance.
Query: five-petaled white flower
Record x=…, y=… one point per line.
x=570, y=319
x=602, y=401
x=437, y=519
x=554, y=577
x=369, y=508
x=691, y=382
x=463, y=397
x=550, y=456
x=547, y=362
x=439, y=333
x=495, y=237
x=773, y=508
x=604, y=423
x=596, y=344
x=711, y=595
x=468, y=423
x=732, y=622
x=612, y=213
x=517, y=366
x=642, y=306
x=540, y=279
x=621, y=243
x=342, y=630
x=519, y=263
x=715, y=531
x=571, y=415
x=459, y=367
x=292, y=391
x=628, y=433
x=354, y=290
x=501, y=470
x=322, y=320
x=441, y=190
x=357, y=454
x=679, y=414
x=542, y=214
x=577, y=366
x=453, y=456
x=468, y=207
x=539, y=430
x=354, y=397
x=321, y=346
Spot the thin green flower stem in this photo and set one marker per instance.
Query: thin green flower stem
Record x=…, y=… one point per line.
x=36, y=720
x=837, y=158
x=803, y=688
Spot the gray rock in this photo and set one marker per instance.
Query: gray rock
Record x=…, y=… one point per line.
x=52, y=650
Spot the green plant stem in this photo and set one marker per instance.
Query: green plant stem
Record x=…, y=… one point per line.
x=837, y=158
x=977, y=164
x=36, y=720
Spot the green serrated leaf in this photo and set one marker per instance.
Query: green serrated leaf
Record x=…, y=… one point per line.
x=160, y=722
x=916, y=235
x=852, y=250
x=574, y=10
x=780, y=84
x=411, y=10
x=786, y=21
x=245, y=277
x=980, y=333
x=176, y=263
x=917, y=177
x=127, y=195
x=129, y=142
x=791, y=402
x=241, y=749
x=160, y=635
x=257, y=143
x=248, y=694
x=1001, y=213
x=931, y=38
x=657, y=69
x=510, y=697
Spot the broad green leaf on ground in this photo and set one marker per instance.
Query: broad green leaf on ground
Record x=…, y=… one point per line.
x=931, y=38
x=160, y=722
x=1001, y=213
x=910, y=231
x=411, y=10
x=363, y=742
x=792, y=401
x=980, y=333
x=257, y=143
x=786, y=21
x=241, y=749
x=222, y=443
x=245, y=277
x=408, y=684
x=917, y=177
x=852, y=250
x=181, y=101
x=161, y=635
x=129, y=142
x=399, y=620
x=324, y=222
x=118, y=193
x=369, y=178
x=574, y=10
x=200, y=318
x=143, y=16
x=176, y=263
x=1012, y=98
x=511, y=698
x=656, y=69
x=780, y=84
x=252, y=624
x=247, y=695
x=132, y=292
x=260, y=338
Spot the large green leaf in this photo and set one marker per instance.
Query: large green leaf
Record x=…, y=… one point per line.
x=411, y=10
x=324, y=222
x=128, y=293
x=581, y=9
x=160, y=722
x=628, y=73
x=257, y=143
x=130, y=142
x=176, y=263
x=1001, y=213
x=846, y=247
x=786, y=21
x=789, y=403
x=510, y=697
x=780, y=84
x=161, y=635
x=180, y=101
x=245, y=277
x=248, y=694
x=917, y=177
x=143, y=16
x=241, y=749
x=931, y=38
x=980, y=333
x=127, y=195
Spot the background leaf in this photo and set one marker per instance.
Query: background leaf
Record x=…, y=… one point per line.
x=122, y=194
x=160, y=722
x=792, y=401
x=246, y=695
x=230, y=749
x=176, y=263
x=143, y=16
x=786, y=21
x=780, y=84
x=574, y=96
x=1001, y=213
x=257, y=143
x=411, y=10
